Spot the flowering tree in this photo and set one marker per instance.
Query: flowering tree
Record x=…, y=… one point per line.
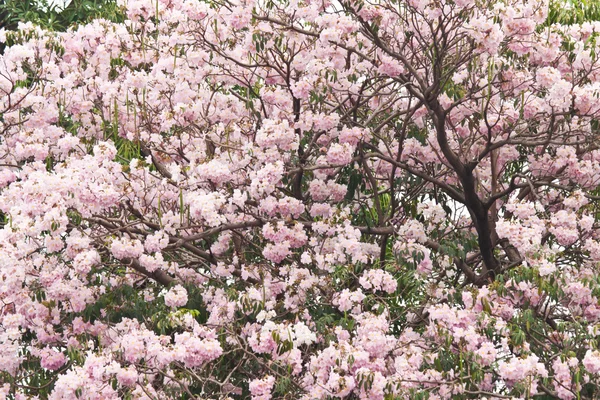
x=301, y=200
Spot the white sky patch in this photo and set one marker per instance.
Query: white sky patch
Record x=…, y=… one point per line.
x=59, y=4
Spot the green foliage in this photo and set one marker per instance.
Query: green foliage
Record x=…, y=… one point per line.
x=571, y=12
x=55, y=18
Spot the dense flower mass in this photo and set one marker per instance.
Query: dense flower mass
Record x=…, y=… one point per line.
x=301, y=200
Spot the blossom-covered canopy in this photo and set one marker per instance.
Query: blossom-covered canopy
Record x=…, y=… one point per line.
x=301, y=199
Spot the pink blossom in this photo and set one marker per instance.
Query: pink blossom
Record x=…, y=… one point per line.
x=261, y=388
x=176, y=297
x=52, y=360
